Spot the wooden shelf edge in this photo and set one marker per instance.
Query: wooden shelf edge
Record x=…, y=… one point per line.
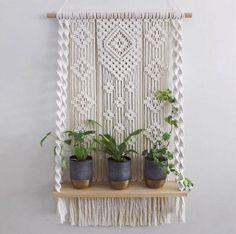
x=135, y=190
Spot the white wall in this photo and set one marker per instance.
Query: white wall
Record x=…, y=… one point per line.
x=27, y=84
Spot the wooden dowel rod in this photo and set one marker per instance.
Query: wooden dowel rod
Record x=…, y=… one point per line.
x=52, y=15
x=188, y=15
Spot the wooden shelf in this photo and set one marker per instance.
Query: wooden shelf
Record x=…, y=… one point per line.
x=135, y=189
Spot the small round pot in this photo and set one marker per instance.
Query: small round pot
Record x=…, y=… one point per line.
x=119, y=173
x=154, y=175
x=81, y=172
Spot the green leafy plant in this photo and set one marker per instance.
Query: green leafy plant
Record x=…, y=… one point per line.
x=116, y=151
x=76, y=141
x=160, y=152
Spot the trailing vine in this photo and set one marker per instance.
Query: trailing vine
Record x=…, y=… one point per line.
x=160, y=153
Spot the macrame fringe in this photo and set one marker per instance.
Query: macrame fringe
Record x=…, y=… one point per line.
x=61, y=210
x=180, y=209
x=119, y=212
x=120, y=15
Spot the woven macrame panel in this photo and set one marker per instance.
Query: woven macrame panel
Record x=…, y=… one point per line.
x=109, y=66
x=115, y=65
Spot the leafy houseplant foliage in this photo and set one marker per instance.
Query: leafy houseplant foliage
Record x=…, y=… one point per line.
x=78, y=142
x=160, y=152
x=116, y=151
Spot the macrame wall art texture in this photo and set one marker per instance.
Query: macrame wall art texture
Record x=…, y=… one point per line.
x=109, y=67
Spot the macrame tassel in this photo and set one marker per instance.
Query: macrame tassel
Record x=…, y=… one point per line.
x=120, y=212
x=61, y=210
x=73, y=211
x=178, y=94
x=63, y=62
x=180, y=209
x=62, y=72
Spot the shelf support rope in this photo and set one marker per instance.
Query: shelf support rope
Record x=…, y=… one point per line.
x=62, y=72
x=177, y=56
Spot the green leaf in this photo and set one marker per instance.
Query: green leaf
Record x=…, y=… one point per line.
x=172, y=167
x=80, y=152
x=63, y=163
x=75, y=135
x=91, y=122
x=166, y=136
x=169, y=155
x=109, y=144
x=174, y=122
x=68, y=132
x=122, y=147
x=134, y=133
x=89, y=133
x=188, y=185
x=68, y=141
x=44, y=138
x=109, y=138
x=97, y=141
x=174, y=110
x=130, y=151
x=109, y=151
x=165, y=95
x=168, y=119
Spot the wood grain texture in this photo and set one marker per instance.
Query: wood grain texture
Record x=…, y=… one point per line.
x=135, y=189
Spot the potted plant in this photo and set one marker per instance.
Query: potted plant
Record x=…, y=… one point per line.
x=80, y=162
x=157, y=161
x=119, y=162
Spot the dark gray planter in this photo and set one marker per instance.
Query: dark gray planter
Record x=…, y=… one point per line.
x=153, y=174
x=81, y=172
x=119, y=173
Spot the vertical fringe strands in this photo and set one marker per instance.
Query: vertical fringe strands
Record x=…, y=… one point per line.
x=62, y=72
x=119, y=212
x=178, y=94
x=121, y=15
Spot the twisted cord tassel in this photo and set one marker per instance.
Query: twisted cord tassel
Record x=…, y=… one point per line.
x=178, y=94
x=62, y=72
x=61, y=95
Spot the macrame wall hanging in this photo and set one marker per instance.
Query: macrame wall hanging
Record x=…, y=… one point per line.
x=109, y=65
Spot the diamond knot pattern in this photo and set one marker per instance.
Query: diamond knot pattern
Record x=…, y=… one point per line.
x=108, y=115
x=130, y=86
x=156, y=35
x=108, y=87
x=130, y=114
x=120, y=102
x=119, y=128
x=154, y=132
x=119, y=45
x=155, y=69
x=83, y=103
x=82, y=36
x=82, y=69
x=153, y=103
x=118, y=42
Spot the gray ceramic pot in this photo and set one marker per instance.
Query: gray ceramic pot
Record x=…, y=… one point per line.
x=81, y=172
x=119, y=173
x=153, y=174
